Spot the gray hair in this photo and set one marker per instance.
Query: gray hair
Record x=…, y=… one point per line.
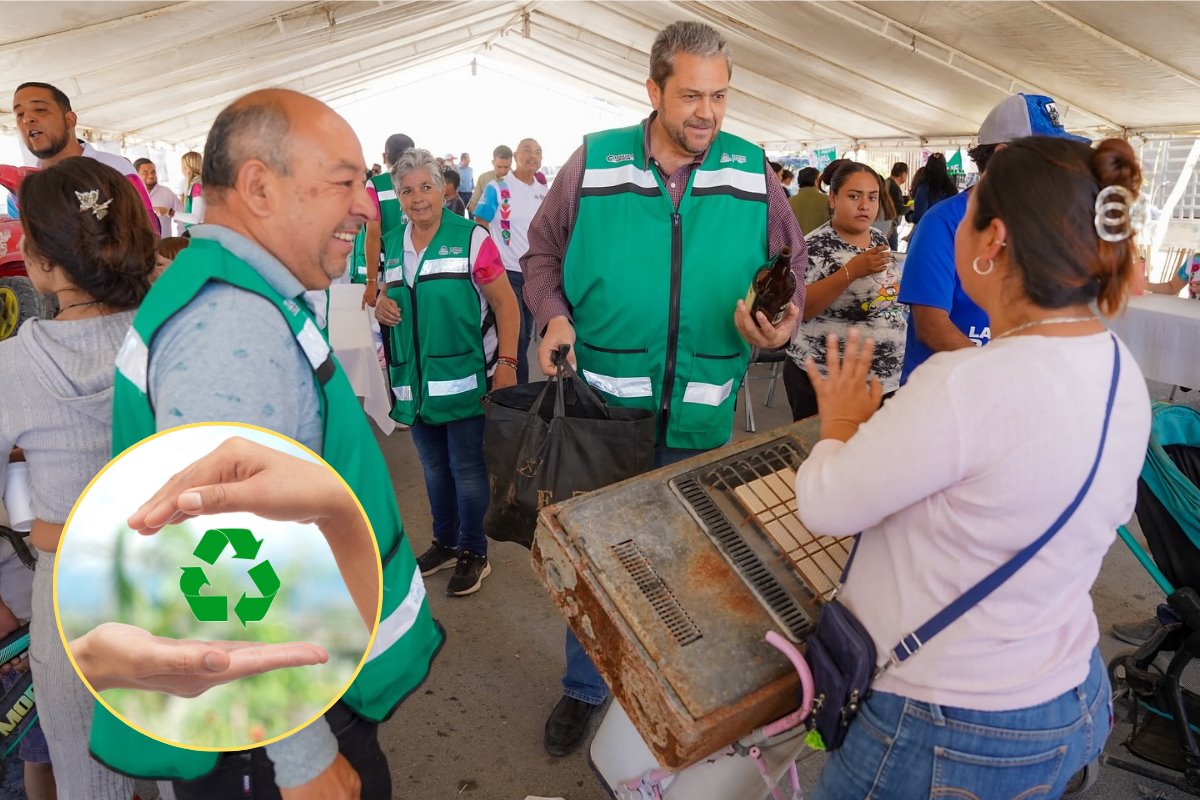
x=241, y=133
x=412, y=160
x=693, y=38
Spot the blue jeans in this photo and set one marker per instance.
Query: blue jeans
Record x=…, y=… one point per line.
x=581, y=681
x=898, y=748
x=517, y=281
x=456, y=481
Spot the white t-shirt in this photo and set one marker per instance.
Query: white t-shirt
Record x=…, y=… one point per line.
x=509, y=217
x=162, y=197
x=412, y=260
x=970, y=461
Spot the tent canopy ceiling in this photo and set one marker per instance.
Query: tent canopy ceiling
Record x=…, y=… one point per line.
x=803, y=72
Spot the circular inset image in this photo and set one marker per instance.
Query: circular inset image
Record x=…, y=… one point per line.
x=217, y=586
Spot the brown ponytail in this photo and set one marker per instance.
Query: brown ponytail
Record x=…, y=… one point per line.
x=1114, y=164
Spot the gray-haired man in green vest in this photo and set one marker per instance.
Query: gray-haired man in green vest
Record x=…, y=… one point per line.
x=227, y=335
x=638, y=258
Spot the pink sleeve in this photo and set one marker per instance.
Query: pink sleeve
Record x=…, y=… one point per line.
x=197, y=189
x=488, y=265
x=140, y=188
x=375, y=199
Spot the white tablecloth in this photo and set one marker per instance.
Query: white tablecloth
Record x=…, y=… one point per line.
x=354, y=346
x=1163, y=333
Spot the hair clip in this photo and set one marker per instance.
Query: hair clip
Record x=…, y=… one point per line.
x=1113, y=218
x=89, y=201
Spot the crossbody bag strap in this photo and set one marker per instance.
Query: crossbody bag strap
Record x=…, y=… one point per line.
x=914, y=641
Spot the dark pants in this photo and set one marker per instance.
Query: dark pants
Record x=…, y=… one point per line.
x=466, y=198
x=800, y=393
x=249, y=774
x=517, y=281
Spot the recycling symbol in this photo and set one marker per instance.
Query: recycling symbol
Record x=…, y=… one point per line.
x=215, y=608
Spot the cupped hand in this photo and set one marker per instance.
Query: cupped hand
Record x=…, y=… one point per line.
x=847, y=395
x=387, y=312
x=758, y=330
x=240, y=475
x=118, y=656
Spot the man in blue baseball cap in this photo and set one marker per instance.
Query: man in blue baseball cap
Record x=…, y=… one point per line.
x=942, y=317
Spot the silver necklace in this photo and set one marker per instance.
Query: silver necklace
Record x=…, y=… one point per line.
x=1046, y=321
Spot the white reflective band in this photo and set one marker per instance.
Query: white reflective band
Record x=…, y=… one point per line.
x=709, y=394
x=626, y=173
x=393, y=275
x=393, y=627
x=403, y=393
x=386, y=194
x=315, y=348
x=620, y=387
x=440, y=266
x=446, y=388
x=746, y=181
x=133, y=360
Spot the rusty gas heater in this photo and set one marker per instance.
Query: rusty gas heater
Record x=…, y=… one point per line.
x=672, y=579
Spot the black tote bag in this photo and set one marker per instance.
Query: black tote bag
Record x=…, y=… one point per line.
x=547, y=442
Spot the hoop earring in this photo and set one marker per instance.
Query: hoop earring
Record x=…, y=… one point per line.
x=975, y=266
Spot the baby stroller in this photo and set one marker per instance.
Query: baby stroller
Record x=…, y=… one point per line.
x=1165, y=716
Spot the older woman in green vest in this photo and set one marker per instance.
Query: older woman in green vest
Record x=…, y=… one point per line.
x=452, y=334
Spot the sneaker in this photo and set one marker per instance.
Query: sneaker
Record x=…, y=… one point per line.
x=436, y=558
x=469, y=573
x=1136, y=633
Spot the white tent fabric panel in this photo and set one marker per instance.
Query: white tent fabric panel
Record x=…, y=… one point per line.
x=901, y=72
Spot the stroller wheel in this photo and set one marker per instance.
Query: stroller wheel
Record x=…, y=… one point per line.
x=1084, y=779
x=1116, y=676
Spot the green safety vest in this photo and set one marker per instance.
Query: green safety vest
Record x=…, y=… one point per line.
x=437, y=365
x=653, y=289
x=407, y=637
x=390, y=216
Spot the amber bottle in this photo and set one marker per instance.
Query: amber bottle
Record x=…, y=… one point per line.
x=773, y=288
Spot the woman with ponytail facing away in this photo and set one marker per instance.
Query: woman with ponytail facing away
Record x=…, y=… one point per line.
x=1022, y=453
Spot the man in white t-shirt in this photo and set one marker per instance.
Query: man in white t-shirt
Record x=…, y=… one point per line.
x=166, y=202
x=506, y=209
x=46, y=124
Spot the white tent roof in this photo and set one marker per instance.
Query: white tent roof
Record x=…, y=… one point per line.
x=803, y=72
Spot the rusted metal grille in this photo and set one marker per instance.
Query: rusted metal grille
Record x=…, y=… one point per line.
x=747, y=504
x=654, y=588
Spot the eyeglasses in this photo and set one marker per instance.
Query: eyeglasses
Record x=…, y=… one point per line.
x=505, y=213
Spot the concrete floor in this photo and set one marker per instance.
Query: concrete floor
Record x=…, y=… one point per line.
x=475, y=729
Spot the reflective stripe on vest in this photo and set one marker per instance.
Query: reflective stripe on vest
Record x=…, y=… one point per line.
x=620, y=387
x=393, y=627
x=745, y=181
x=403, y=393
x=619, y=176
x=133, y=360
x=457, y=386
x=709, y=394
x=446, y=266
x=386, y=194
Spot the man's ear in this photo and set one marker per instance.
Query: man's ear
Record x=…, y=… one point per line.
x=257, y=186
x=72, y=119
x=654, y=91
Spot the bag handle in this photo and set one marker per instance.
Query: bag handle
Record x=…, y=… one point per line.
x=565, y=371
x=912, y=642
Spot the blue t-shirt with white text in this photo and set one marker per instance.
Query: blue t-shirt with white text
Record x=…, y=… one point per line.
x=930, y=279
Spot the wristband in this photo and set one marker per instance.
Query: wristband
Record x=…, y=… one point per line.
x=506, y=361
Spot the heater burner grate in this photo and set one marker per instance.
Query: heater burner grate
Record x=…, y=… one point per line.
x=747, y=505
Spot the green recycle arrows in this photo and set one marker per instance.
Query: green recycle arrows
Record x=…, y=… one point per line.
x=215, y=608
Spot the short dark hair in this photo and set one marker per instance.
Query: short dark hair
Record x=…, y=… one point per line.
x=58, y=94
x=242, y=132
x=807, y=177
x=395, y=146
x=981, y=154
x=141, y=162
x=845, y=170
x=899, y=168
x=776, y=167
x=685, y=36
x=502, y=151
x=1044, y=190
x=785, y=174
x=109, y=255
x=451, y=177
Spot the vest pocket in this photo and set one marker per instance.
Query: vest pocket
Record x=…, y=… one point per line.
x=454, y=385
x=708, y=393
x=622, y=375
x=401, y=370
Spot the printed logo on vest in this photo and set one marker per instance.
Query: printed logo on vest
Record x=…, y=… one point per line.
x=737, y=158
x=617, y=158
x=455, y=251
x=391, y=262
x=292, y=307
x=445, y=251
